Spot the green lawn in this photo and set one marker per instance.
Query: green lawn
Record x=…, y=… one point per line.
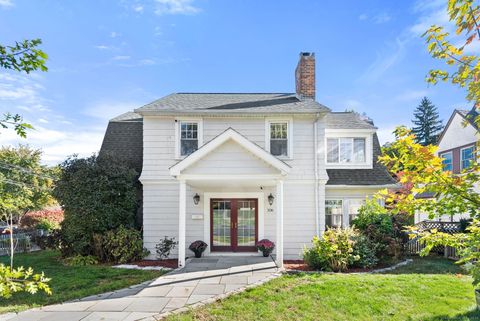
x=70, y=282
x=428, y=289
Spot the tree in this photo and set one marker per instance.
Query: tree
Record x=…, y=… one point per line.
x=24, y=56
x=97, y=194
x=24, y=184
x=427, y=123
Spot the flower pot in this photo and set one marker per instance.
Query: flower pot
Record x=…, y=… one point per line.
x=266, y=253
x=477, y=297
x=198, y=254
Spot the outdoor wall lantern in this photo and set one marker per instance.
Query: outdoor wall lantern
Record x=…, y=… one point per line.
x=270, y=199
x=196, y=199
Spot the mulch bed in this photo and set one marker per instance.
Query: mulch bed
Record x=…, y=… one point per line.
x=170, y=263
x=299, y=265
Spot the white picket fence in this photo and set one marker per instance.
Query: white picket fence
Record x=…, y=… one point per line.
x=22, y=242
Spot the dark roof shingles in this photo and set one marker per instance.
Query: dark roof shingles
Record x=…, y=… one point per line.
x=232, y=103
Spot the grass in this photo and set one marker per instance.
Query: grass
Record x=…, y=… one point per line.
x=69, y=282
x=427, y=289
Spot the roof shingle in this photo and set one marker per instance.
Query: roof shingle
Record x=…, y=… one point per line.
x=232, y=103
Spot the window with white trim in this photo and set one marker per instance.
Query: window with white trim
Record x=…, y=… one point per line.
x=353, y=207
x=188, y=137
x=447, y=161
x=333, y=213
x=467, y=154
x=279, y=138
x=346, y=150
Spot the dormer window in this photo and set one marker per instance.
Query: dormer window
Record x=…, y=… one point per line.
x=346, y=150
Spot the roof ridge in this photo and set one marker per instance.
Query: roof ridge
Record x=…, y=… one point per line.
x=233, y=93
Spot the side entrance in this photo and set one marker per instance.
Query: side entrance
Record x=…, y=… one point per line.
x=233, y=224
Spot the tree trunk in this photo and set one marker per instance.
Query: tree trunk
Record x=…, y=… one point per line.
x=11, y=241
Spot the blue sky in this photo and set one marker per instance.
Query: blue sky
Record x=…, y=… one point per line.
x=108, y=57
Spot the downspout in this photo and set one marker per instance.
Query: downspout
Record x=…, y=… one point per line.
x=315, y=153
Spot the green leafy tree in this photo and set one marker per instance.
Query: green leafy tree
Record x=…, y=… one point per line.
x=97, y=194
x=24, y=56
x=25, y=184
x=427, y=123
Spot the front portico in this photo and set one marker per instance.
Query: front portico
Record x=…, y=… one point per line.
x=234, y=178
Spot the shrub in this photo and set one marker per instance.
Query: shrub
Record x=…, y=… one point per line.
x=334, y=250
x=79, y=260
x=165, y=246
x=51, y=240
x=47, y=225
x=33, y=219
x=365, y=250
x=98, y=194
x=377, y=225
x=123, y=245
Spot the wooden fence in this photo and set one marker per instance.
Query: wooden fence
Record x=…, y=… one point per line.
x=414, y=246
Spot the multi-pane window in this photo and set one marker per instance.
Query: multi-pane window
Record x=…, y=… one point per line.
x=447, y=161
x=333, y=213
x=279, y=138
x=188, y=138
x=346, y=150
x=467, y=156
x=353, y=207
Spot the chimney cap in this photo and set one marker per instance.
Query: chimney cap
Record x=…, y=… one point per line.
x=307, y=54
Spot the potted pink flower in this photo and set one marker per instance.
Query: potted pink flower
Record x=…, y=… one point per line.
x=265, y=246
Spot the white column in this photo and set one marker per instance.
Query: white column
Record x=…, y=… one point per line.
x=279, y=201
x=181, y=223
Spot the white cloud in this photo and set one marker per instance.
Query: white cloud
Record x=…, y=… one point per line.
x=121, y=57
x=175, y=7
x=114, y=34
x=138, y=8
x=363, y=17
x=103, y=47
x=57, y=144
x=6, y=3
x=106, y=110
x=385, y=134
x=353, y=104
x=411, y=95
x=382, y=17
x=390, y=56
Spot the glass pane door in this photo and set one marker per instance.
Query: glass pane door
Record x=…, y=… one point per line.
x=221, y=223
x=246, y=225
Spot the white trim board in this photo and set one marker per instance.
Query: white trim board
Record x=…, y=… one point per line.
x=229, y=134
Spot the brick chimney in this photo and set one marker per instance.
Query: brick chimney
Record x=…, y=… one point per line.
x=305, y=76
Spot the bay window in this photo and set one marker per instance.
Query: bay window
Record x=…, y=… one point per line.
x=447, y=161
x=467, y=156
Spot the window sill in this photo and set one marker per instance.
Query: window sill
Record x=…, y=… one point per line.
x=348, y=166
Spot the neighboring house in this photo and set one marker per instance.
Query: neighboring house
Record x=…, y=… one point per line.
x=234, y=168
x=457, y=147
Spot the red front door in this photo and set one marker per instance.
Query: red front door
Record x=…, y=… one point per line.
x=233, y=224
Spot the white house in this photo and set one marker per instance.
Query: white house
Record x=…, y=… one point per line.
x=457, y=147
x=234, y=168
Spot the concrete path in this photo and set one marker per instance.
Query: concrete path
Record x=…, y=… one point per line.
x=201, y=281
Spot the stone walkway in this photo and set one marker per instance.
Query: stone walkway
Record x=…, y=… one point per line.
x=201, y=281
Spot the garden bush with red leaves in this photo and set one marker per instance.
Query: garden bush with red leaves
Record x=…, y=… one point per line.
x=32, y=219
